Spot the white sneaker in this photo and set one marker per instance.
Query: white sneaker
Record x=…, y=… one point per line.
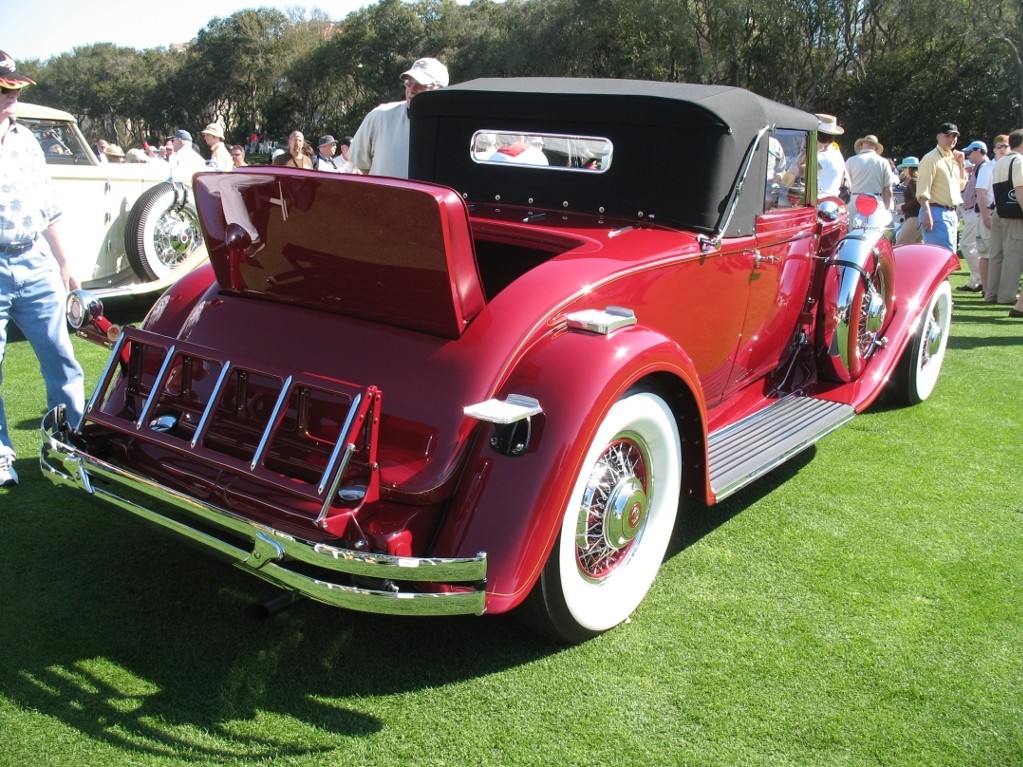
x=8, y=476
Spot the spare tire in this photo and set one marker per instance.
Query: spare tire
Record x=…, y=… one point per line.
x=161, y=231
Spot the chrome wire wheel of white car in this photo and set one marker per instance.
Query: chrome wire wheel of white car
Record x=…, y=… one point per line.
x=617, y=524
x=917, y=372
x=160, y=232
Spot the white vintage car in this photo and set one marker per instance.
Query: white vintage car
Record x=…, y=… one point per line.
x=127, y=229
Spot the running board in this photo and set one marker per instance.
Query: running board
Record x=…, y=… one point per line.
x=743, y=452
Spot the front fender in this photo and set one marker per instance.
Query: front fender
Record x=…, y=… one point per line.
x=920, y=269
x=859, y=287
x=512, y=507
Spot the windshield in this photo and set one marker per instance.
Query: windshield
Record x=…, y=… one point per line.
x=60, y=142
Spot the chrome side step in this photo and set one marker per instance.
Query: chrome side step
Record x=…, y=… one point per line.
x=744, y=451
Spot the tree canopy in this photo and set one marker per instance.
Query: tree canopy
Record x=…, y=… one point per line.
x=893, y=68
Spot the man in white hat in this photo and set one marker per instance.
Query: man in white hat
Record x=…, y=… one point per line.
x=220, y=158
x=831, y=176
x=869, y=173
x=381, y=145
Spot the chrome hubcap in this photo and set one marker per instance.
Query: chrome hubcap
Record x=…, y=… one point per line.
x=613, y=510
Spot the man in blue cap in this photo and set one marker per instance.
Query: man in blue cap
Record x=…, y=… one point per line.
x=974, y=244
x=186, y=161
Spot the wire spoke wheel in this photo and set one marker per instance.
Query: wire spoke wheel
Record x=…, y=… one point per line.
x=616, y=525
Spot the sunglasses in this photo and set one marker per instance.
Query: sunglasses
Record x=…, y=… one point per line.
x=1001, y=146
x=8, y=91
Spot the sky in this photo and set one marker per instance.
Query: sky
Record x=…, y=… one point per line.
x=66, y=24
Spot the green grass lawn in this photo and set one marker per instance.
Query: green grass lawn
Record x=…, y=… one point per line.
x=862, y=605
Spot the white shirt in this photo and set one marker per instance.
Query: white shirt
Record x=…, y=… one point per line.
x=984, y=179
x=869, y=173
x=381, y=143
x=830, y=172
x=185, y=163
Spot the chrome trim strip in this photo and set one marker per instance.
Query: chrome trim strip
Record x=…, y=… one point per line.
x=104, y=379
x=271, y=424
x=272, y=550
x=200, y=429
x=154, y=393
x=353, y=410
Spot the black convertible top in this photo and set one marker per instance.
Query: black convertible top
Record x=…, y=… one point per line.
x=678, y=147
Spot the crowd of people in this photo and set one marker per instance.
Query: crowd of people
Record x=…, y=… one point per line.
x=944, y=190
x=379, y=147
x=964, y=200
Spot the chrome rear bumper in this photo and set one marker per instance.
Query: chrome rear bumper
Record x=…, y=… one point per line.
x=273, y=553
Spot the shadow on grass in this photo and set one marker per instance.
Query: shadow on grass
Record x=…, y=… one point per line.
x=143, y=644
x=698, y=520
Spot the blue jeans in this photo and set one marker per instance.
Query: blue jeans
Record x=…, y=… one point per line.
x=946, y=228
x=32, y=295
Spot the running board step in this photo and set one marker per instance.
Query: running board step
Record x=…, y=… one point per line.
x=744, y=451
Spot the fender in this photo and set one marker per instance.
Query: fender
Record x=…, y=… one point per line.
x=519, y=501
x=857, y=296
x=168, y=314
x=920, y=270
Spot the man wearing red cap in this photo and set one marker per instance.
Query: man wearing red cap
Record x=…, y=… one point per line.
x=34, y=273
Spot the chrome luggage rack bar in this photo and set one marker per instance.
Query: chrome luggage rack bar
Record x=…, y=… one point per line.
x=214, y=410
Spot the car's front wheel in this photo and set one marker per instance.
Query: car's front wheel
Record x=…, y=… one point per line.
x=917, y=372
x=160, y=232
x=616, y=526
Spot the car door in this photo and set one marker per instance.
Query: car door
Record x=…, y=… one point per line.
x=779, y=267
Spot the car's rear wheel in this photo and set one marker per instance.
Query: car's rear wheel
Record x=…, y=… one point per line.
x=159, y=234
x=917, y=372
x=616, y=526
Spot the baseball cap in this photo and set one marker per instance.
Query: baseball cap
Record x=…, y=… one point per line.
x=11, y=78
x=948, y=128
x=975, y=145
x=327, y=140
x=183, y=135
x=428, y=72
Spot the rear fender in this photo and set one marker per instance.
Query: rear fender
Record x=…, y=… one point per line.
x=511, y=507
x=170, y=312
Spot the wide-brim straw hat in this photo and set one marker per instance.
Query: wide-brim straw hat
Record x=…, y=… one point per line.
x=869, y=139
x=829, y=124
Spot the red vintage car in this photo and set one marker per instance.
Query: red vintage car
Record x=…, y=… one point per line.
x=490, y=387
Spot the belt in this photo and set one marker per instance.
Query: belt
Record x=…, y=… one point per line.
x=16, y=248
x=943, y=207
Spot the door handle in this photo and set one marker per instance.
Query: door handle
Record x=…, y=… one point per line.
x=759, y=259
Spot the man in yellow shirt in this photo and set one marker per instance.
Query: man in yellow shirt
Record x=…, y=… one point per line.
x=939, y=189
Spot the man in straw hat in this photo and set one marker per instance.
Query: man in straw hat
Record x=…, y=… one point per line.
x=34, y=272
x=869, y=173
x=831, y=176
x=220, y=158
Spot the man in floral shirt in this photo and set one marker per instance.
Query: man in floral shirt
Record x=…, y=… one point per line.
x=34, y=275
